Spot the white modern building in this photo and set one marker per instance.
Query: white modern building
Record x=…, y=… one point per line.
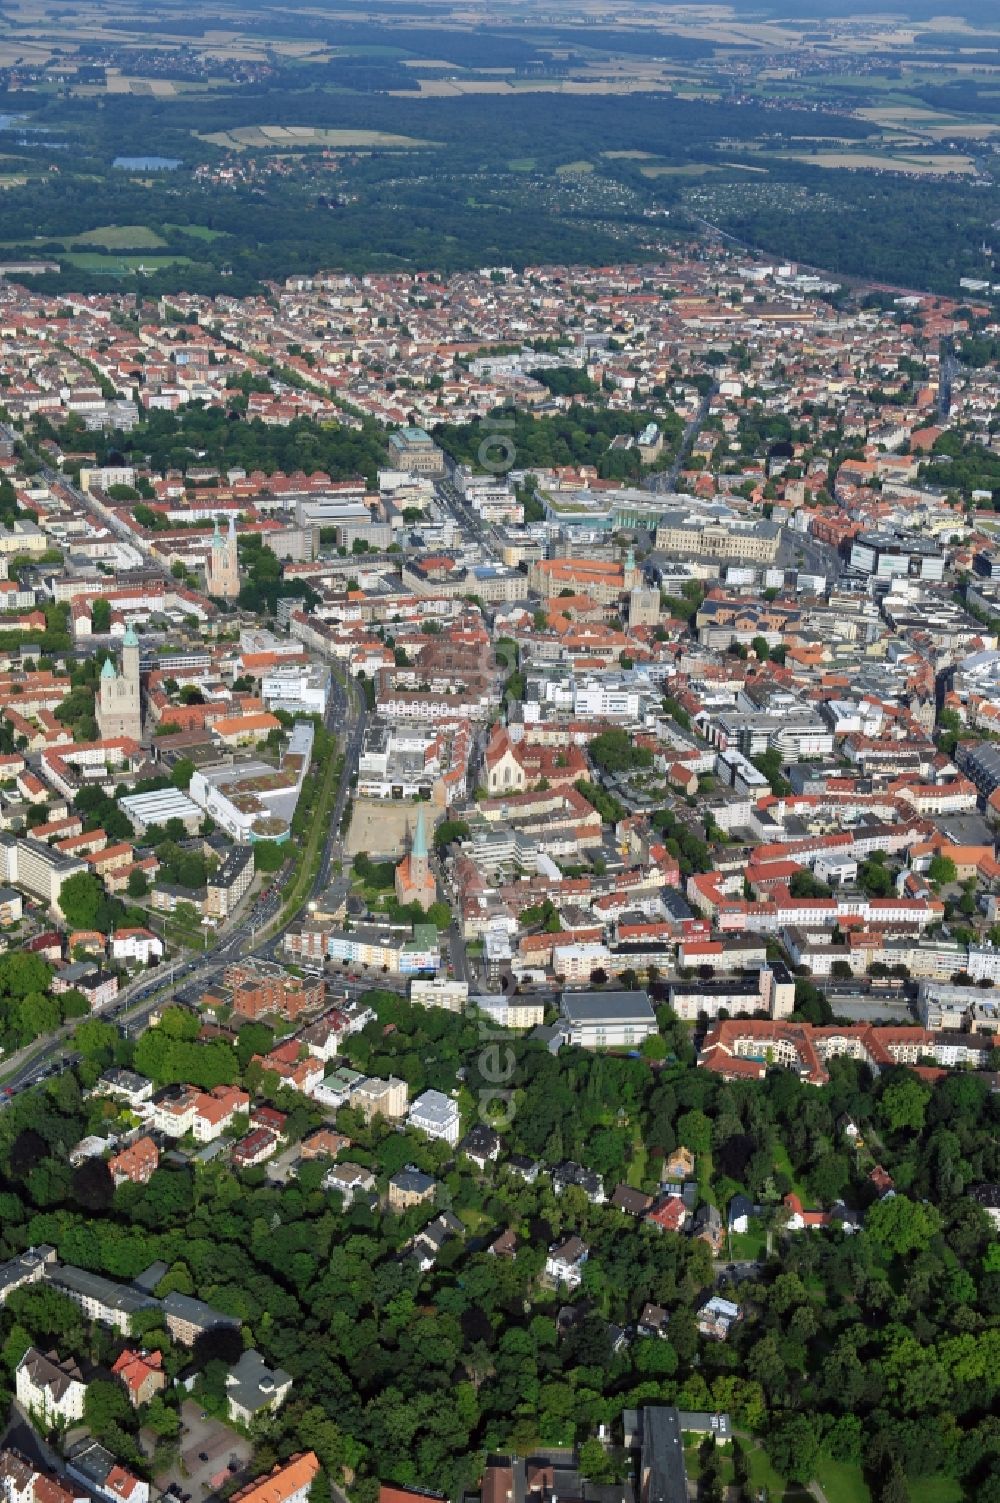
x=511, y=1011
x=299, y=689
x=564, y=1264
x=984, y=963
x=605, y=698
x=437, y=1115
x=251, y=800
x=440, y=992
x=607, y=1020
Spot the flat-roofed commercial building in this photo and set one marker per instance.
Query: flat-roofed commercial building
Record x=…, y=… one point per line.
x=606, y=1020
x=145, y=809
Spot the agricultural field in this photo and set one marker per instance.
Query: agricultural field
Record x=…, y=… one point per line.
x=274, y=136
x=120, y=237
x=940, y=164
x=267, y=141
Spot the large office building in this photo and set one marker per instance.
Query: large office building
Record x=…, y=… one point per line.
x=889, y=555
x=606, y=1020
x=415, y=452
x=36, y=869
x=729, y=537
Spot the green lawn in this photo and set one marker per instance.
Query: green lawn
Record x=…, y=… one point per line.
x=196, y=231
x=692, y=1462
x=118, y=265
x=703, y=1174
x=934, y=1490
x=637, y=1164
x=748, y=1247
x=842, y=1482
x=119, y=237
x=783, y=1165
x=762, y=1474
x=374, y=897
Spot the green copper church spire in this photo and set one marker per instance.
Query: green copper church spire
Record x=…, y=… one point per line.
x=419, y=850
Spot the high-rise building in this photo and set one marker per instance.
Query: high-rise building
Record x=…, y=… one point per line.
x=119, y=709
x=223, y=563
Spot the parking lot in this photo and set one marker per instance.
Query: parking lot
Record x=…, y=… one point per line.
x=207, y=1450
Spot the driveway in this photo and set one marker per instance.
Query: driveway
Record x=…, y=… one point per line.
x=204, y=1437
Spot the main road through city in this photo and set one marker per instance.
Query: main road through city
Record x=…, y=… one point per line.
x=345, y=717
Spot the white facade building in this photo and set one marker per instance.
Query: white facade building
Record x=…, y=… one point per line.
x=299, y=689
x=50, y=1388
x=437, y=1115
x=439, y=992
x=607, y=1020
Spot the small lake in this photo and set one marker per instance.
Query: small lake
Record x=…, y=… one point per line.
x=147, y=164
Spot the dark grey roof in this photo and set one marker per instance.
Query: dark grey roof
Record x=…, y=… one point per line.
x=123, y=1080
x=736, y=987
x=413, y=1180
x=252, y=1384
x=91, y=1462
x=480, y=1139
x=675, y=903
x=740, y=1205
x=569, y=1173
x=123, y=1298
x=196, y=1312
x=591, y=1007
x=231, y=867
x=25, y=1268
x=704, y=1422
x=661, y=1465
x=151, y=1276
